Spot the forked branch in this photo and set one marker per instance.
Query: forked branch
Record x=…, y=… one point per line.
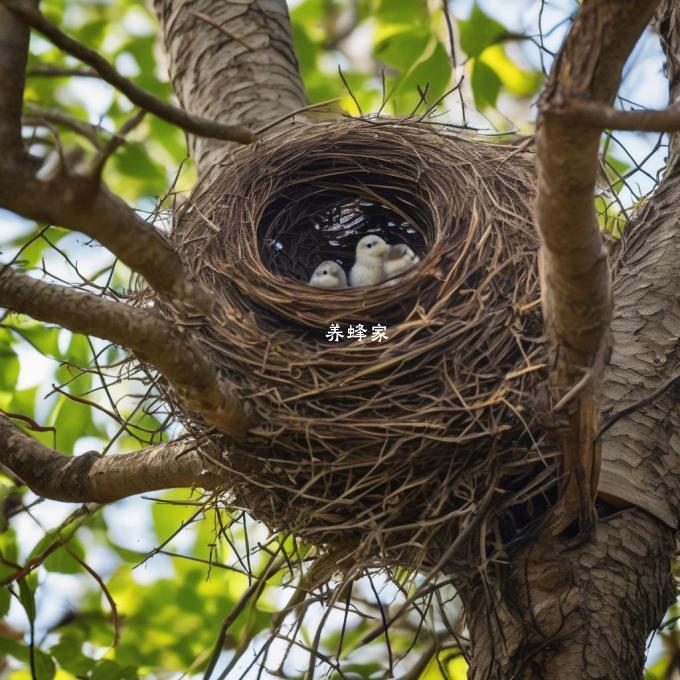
x=153, y=340
x=83, y=204
x=93, y=478
x=575, y=276
x=71, y=200
x=193, y=124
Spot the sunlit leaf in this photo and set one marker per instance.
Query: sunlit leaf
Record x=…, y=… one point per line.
x=517, y=80
x=486, y=85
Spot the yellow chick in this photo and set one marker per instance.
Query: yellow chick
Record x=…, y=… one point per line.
x=329, y=275
x=368, y=267
x=399, y=260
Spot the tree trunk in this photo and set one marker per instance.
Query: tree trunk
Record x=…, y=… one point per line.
x=571, y=614
x=231, y=62
x=564, y=611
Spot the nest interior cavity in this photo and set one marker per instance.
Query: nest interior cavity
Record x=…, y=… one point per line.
x=385, y=451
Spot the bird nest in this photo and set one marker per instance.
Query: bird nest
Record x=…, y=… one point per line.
x=414, y=445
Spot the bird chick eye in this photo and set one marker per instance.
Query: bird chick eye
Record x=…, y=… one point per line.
x=369, y=245
x=325, y=271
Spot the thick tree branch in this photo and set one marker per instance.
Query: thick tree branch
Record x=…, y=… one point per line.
x=82, y=203
x=641, y=452
x=153, y=339
x=231, y=61
x=575, y=276
x=193, y=124
x=667, y=24
x=93, y=478
x=72, y=201
x=563, y=612
x=14, y=36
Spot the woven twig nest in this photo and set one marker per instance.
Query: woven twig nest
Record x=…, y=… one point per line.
x=386, y=451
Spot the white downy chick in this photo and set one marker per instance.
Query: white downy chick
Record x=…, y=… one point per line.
x=368, y=267
x=399, y=260
x=329, y=275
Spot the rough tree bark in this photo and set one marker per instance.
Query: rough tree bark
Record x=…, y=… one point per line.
x=230, y=61
x=93, y=478
x=587, y=611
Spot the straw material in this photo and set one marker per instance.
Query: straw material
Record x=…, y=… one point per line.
x=382, y=452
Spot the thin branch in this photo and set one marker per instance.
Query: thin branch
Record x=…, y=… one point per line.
x=60, y=72
x=36, y=114
x=172, y=114
x=154, y=340
x=105, y=592
x=93, y=478
x=216, y=24
x=575, y=274
x=604, y=117
x=292, y=114
x=636, y=406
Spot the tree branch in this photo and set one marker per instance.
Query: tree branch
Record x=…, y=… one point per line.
x=93, y=478
x=35, y=115
x=45, y=71
x=606, y=118
x=153, y=340
x=641, y=451
x=14, y=37
x=82, y=203
x=193, y=124
x=667, y=24
x=76, y=202
x=575, y=276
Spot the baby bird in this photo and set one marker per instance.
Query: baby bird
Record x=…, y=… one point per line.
x=330, y=275
x=368, y=267
x=399, y=260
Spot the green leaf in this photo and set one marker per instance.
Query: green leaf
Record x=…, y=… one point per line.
x=69, y=653
x=62, y=562
x=485, y=84
x=133, y=161
x=305, y=49
x=401, y=47
x=9, y=369
x=434, y=74
x=167, y=518
x=43, y=338
x=72, y=420
x=402, y=11
x=517, y=80
x=26, y=597
x=44, y=666
x=106, y=669
x=478, y=32
x=5, y=599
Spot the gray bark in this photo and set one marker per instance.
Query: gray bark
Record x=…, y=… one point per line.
x=564, y=611
x=249, y=79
